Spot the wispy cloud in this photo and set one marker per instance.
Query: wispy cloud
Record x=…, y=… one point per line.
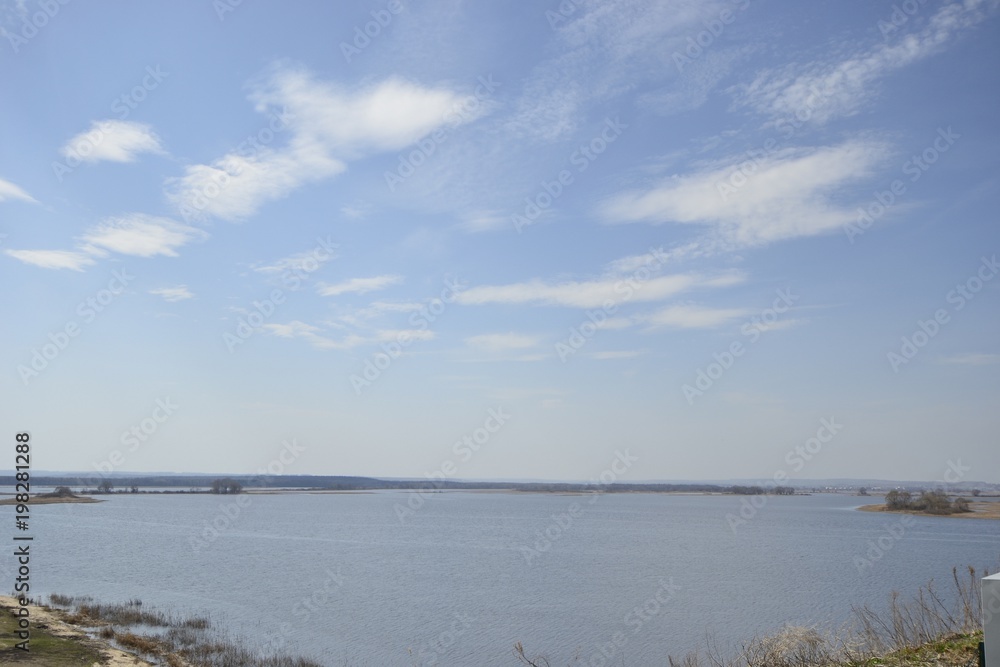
x=785, y=195
x=52, y=259
x=973, y=359
x=828, y=89
x=359, y=285
x=140, y=235
x=603, y=50
x=326, y=125
x=112, y=140
x=593, y=293
x=614, y=355
x=171, y=294
x=502, y=342
x=10, y=191
x=693, y=317
x=314, y=335
x=484, y=221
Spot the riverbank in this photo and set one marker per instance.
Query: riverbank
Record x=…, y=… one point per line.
x=79, y=631
x=977, y=510
x=54, y=641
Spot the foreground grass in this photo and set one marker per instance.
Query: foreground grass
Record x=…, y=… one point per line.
x=127, y=635
x=46, y=649
x=956, y=650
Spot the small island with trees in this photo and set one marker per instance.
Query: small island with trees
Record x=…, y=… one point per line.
x=934, y=503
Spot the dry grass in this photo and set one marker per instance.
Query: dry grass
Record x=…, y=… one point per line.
x=186, y=642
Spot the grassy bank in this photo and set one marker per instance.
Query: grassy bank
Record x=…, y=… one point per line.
x=79, y=631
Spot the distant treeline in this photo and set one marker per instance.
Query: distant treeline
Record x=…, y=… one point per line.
x=210, y=484
x=760, y=490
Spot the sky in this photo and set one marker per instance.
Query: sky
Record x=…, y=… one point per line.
x=669, y=239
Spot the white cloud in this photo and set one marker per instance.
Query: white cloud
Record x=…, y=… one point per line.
x=824, y=90
x=10, y=191
x=140, y=235
x=610, y=355
x=313, y=335
x=483, y=221
x=502, y=342
x=171, y=294
x=785, y=195
x=693, y=317
x=593, y=293
x=973, y=359
x=359, y=285
x=299, y=263
x=112, y=140
x=326, y=126
x=52, y=259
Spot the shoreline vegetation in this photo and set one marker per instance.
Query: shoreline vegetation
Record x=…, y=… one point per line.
x=62, y=494
x=934, y=503
x=78, y=630
x=977, y=510
x=923, y=629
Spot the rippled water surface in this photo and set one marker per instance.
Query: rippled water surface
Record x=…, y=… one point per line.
x=467, y=575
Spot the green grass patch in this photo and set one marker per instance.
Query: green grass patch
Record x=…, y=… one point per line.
x=46, y=650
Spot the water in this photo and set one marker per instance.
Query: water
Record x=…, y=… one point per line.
x=452, y=582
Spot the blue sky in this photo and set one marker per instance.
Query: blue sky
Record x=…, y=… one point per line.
x=692, y=229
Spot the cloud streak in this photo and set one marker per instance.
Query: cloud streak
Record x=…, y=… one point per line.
x=785, y=195
x=326, y=127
